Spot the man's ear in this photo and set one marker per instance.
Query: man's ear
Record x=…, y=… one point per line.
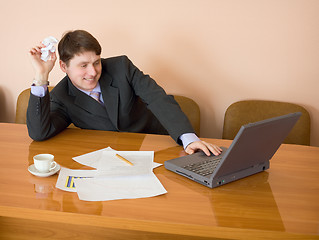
x=63, y=66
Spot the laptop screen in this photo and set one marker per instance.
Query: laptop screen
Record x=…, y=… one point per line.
x=256, y=143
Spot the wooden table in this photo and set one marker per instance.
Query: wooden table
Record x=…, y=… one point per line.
x=280, y=203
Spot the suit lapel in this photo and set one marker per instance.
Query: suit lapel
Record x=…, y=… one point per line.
x=86, y=102
x=110, y=97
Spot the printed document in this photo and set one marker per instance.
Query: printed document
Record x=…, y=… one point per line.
x=113, y=177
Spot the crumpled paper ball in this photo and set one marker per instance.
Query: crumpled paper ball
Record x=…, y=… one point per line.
x=49, y=43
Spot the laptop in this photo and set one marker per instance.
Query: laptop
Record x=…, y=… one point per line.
x=249, y=153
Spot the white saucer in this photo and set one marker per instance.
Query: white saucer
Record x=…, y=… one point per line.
x=35, y=172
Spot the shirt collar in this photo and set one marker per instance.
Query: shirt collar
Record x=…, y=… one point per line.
x=96, y=89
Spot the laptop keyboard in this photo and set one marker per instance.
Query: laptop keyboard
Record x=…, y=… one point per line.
x=204, y=168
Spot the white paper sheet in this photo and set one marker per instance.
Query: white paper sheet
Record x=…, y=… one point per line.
x=119, y=187
x=66, y=178
x=113, y=177
x=92, y=159
x=110, y=165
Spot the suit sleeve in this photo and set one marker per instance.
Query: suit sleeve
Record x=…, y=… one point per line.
x=41, y=122
x=163, y=106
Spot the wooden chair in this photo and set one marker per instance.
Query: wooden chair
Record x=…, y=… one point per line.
x=22, y=105
x=188, y=106
x=191, y=110
x=243, y=112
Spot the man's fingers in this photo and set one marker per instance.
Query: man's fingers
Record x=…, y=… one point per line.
x=214, y=149
x=35, y=50
x=188, y=150
x=207, y=148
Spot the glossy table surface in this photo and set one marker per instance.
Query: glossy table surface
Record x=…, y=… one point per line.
x=280, y=203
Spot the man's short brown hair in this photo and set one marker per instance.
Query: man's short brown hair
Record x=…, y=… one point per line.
x=76, y=42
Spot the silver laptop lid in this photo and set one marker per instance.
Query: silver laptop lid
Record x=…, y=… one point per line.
x=256, y=143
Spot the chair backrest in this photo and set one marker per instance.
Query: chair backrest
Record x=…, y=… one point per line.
x=188, y=106
x=22, y=105
x=243, y=112
x=191, y=110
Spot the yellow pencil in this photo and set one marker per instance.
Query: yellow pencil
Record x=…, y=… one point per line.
x=125, y=160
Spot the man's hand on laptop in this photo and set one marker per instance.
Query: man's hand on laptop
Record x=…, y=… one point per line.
x=207, y=148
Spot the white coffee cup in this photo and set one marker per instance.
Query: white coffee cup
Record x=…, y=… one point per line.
x=44, y=162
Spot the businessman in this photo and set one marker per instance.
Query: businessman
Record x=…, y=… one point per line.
x=104, y=94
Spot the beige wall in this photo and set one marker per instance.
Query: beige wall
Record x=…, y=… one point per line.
x=214, y=51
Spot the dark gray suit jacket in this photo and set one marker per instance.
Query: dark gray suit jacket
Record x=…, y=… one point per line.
x=133, y=103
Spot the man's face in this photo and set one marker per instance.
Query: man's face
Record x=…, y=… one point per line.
x=84, y=70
